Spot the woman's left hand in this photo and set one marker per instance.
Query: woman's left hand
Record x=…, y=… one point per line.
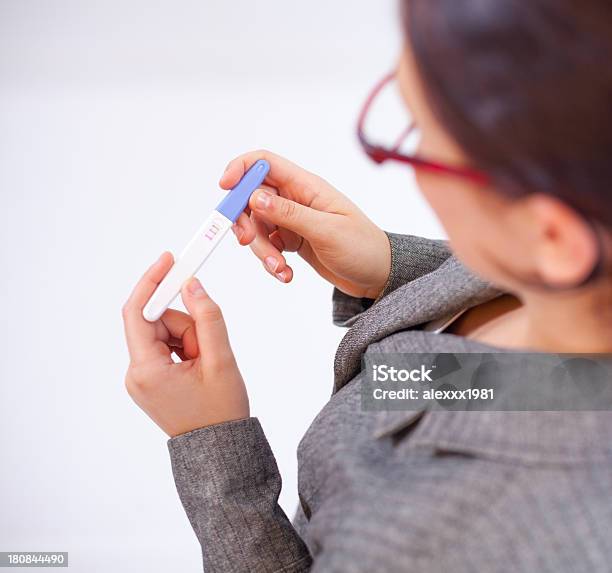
x=206, y=387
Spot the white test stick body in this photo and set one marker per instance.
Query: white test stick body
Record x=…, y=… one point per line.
x=201, y=246
x=204, y=242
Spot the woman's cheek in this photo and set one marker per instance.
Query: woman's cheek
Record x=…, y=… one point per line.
x=462, y=220
x=445, y=200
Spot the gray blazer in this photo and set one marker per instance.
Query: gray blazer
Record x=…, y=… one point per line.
x=405, y=491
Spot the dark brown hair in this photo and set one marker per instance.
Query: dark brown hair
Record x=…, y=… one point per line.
x=525, y=88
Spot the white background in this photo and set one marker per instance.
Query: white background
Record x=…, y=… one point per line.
x=116, y=121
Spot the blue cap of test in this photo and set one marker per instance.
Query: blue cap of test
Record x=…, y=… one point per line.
x=237, y=199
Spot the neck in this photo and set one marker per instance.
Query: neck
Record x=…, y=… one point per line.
x=578, y=322
x=572, y=322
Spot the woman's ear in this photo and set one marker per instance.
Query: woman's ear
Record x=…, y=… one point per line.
x=566, y=247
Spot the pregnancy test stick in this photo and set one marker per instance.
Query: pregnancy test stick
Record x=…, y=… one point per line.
x=205, y=241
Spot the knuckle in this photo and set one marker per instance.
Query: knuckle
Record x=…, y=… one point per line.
x=263, y=153
x=288, y=210
x=125, y=309
x=214, y=314
x=135, y=381
x=211, y=312
x=130, y=384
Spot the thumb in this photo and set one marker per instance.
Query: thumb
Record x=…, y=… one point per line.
x=303, y=220
x=211, y=332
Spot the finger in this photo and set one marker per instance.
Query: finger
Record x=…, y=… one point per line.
x=284, y=276
x=290, y=179
x=267, y=227
x=174, y=342
x=175, y=346
x=181, y=326
x=141, y=335
x=211, y=332
x=272, y=257
x=181, y=354
x=261, y=245
x=307, y=222
x=285, y=240
x=277, y=241
x=244, y=229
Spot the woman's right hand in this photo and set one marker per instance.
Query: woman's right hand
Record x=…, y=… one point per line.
x=297, y=211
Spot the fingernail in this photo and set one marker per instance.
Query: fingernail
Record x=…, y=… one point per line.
x=271, y=264
x=282, y=276
x=195, y=288
x=263, y=200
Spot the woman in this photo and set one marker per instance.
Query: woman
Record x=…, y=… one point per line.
x=512, y=101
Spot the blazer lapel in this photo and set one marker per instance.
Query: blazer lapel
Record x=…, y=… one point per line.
x=450, y=288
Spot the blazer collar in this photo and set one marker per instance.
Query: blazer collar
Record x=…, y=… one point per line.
x=450, y=288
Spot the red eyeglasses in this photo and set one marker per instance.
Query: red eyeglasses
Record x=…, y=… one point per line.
x=380, y=154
